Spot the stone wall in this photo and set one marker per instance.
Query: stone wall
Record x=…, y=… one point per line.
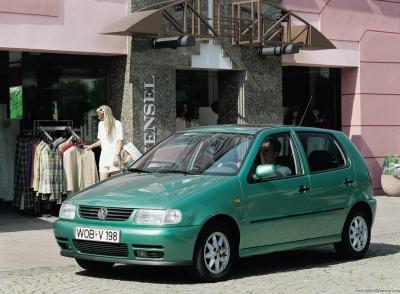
x=250, y=93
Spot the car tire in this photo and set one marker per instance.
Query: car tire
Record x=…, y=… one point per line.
x=94, y=266
x=216, y=251
x=356, y=236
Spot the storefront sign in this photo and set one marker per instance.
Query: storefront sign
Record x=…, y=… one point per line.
x=149, y=110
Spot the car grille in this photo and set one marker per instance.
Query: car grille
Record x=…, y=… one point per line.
x=101, y=248
x=114, y=213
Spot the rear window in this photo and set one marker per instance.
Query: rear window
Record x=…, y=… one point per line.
x=322, y=150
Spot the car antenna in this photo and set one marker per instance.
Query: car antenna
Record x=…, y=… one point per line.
x=305, y=111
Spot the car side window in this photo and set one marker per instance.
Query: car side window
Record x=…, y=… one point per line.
x=322, y=150
x=279, y=150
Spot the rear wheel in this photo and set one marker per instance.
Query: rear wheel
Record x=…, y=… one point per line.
x=215, y=253
x=356, y=236
x=94, y=266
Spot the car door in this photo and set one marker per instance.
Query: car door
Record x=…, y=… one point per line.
x=331, y=182
x=272, y=206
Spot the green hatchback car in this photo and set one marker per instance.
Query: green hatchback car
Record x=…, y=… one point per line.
x=207, y=196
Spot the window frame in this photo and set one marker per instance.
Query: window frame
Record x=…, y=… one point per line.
x=336, y=141
x=296, y=156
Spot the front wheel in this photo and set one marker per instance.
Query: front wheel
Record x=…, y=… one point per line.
x=215, y=254
x=356, y=236
x=94, y=266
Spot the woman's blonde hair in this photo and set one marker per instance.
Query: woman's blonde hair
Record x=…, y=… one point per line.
x=108, y=119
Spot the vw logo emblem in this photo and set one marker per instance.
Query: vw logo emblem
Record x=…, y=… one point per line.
x=102, y=214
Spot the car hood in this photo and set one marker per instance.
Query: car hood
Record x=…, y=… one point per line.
x=135, y=190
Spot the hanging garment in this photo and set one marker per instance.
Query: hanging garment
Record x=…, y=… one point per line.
x=36, y=167
x=17, y=177
x=29, y=161
x=23, y=196
x=34, y=146
x=51, y=174
x=87, y=168
x=64, y=148
x=59, y=141
x=70, y=168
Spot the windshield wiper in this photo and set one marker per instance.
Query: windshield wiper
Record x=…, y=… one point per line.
x=177, y=171
x=138, y=170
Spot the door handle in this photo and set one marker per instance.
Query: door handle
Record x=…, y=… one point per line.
x=303, y=189
x=348, y=181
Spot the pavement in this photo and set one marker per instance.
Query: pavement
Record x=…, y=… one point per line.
x=30, y=263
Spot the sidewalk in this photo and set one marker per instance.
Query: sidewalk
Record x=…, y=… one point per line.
x=387, y=218
x=28, y=242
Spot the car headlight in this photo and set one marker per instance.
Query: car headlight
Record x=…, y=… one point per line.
x=67, y=211
x=157, y=216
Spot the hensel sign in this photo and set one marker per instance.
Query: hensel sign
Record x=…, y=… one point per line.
x=149, y=109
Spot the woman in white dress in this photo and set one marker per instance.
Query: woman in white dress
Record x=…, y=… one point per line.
x=111, y=139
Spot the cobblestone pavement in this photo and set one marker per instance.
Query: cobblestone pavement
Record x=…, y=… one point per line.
x=310, y=270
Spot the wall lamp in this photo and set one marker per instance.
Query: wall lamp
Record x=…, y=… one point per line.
x=278, y=50
x=174, y=42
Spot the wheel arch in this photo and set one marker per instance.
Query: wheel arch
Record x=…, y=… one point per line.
x=224, y=220
x=363, y=206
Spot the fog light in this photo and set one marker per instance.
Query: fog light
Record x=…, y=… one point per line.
x=148, y=254
x=140, y=253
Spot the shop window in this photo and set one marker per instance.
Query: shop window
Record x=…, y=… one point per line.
x=196, y=98
x=78, y=101
x=16, y=103
x=311, y=96
x=59, y=87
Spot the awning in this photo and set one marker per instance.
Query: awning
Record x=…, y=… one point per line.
x=263, y=30
x=316, y=40
x=141, y=23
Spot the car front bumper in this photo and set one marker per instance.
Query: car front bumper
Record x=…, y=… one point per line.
x=163, y=246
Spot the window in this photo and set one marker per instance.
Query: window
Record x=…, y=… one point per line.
x=78, y=99
x=198, y=153
x=322, y=150
x=16, y=103
x=279, y=150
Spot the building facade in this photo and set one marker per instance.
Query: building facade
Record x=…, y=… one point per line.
x=55, y=53
x=367, y=35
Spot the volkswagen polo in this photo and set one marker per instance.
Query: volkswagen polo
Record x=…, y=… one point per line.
x=210, y=195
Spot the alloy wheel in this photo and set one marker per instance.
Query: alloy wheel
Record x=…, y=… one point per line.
x=358, y=233
x=217, y=253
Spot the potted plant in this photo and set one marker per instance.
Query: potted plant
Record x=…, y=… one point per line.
x=390, y=178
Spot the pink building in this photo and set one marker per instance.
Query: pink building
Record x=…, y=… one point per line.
x=367, y=35
x=60, y=26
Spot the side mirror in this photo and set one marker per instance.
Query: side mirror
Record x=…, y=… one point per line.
x=265, y=171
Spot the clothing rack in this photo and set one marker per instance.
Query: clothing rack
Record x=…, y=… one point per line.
x=76, y=140
x=44, y=136
x=52, y=125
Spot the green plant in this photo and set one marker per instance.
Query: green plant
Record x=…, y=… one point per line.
x=391, y=166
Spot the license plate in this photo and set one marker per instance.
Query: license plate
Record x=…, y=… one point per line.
x=92, y=234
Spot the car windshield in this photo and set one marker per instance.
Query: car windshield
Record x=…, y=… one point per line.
x=197, y=153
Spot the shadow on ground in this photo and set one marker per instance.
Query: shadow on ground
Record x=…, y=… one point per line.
x=13, y=221
x=288, y=261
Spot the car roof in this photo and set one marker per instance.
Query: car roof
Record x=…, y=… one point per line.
x=241, y=129
x=250, y=129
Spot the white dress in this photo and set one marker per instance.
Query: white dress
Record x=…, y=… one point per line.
x=109, y=147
